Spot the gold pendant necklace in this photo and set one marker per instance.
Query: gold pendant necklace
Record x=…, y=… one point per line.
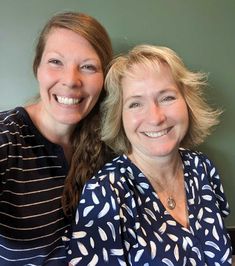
x=171, y=204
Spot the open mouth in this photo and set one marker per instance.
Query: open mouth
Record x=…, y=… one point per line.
x=67, y=100
x=157, y=134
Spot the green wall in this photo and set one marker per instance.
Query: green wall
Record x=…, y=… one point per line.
x=201, y=32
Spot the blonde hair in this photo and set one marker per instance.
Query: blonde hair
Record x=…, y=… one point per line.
x=202, y=117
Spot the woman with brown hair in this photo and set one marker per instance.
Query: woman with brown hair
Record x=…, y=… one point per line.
x=50, y=147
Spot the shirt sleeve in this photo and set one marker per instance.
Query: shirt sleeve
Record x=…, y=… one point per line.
x=95, y=237
x=3, y=155
x=217, y=186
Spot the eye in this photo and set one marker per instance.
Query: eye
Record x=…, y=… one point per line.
x=134, y=105
x=89, y=68
x=54, y=61
x=168, y=99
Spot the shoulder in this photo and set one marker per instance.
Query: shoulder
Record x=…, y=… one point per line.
x=14, y=119
x=197, y=164
x=194, y=158
x=15, y=129
x=11, y=115
x=119, y=165
x=205, y=175
x=14, y=125
x=9, y=121
x=111, y=176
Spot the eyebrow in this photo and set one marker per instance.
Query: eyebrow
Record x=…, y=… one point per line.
x=93, y=60
x=137, y=96
x=132, y=97
x=96, y=59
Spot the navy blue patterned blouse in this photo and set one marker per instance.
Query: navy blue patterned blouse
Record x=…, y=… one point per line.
x=121, y=221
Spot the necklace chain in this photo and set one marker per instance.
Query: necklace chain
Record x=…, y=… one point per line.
x=171, y=203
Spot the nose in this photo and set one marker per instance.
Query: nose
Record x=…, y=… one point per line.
x=156, y=114
x=72, y=77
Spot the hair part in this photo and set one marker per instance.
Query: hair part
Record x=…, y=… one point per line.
x=202, y=117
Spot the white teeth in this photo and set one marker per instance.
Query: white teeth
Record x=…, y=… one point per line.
x=156, y=134
x=67, y=101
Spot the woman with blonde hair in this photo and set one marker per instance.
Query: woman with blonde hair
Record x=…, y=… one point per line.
x=159, y=202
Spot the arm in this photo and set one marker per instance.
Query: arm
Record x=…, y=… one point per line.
x=216, y=185
x=96, y=238
x=3, y=157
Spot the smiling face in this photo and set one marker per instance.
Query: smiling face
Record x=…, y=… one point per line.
x=155, y=115
x=70, y=77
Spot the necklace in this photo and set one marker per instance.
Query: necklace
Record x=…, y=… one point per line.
x=171, y=202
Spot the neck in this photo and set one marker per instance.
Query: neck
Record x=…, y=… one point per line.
x=49, y=128
x=166, y=179
x=168, y=189
x=163, y=171
x=55, y=133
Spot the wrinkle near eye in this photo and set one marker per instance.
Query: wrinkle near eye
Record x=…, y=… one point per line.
x=168, y=99
x=134, y=105
x=89, y=68
x=54, y=61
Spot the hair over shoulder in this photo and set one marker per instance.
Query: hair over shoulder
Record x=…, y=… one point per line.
x=89, y=152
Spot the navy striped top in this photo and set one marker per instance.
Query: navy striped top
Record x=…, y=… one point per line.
x=32, y=174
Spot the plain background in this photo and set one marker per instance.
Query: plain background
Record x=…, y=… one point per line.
x=201, y=32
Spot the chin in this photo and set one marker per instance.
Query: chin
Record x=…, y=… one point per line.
x=69, y=121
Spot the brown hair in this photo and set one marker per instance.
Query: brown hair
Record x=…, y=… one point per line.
x=82, y=24
x=89, y=152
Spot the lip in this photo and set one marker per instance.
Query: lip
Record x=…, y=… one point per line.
x=68, y=100
x=157, y=134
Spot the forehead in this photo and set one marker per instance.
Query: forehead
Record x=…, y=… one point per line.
x=65, y=38
x=63, y=35
x=143, y=71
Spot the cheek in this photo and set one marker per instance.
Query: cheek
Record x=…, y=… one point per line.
x=184, y=118
x=130, y=122
x=39, y=75
x=44, y=77
x=97, y=85
x=42, y=83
